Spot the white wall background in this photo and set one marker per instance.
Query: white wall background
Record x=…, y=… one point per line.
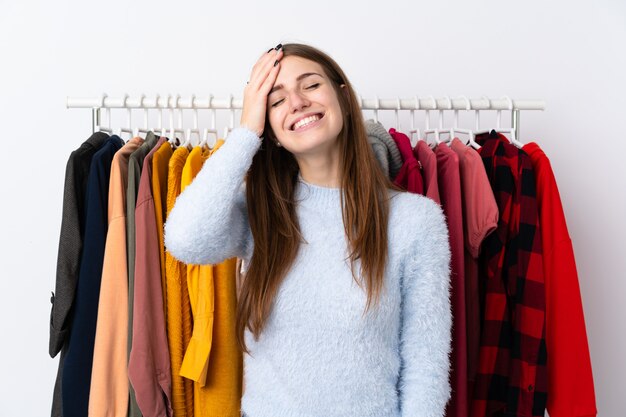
x=569, y=53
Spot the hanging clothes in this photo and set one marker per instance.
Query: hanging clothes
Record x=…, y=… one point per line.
x=409, y=177
x=385, y=149
x=135, y=164
x=149, y=366
x=178, y=318
x=69, y=254
x=449, y=180
x=428, y=160
x=480, y=218
x=213, y=359
x=79, y=359
x=512, y=375
x=160, y=163
x=570, y=380
x=109, y=378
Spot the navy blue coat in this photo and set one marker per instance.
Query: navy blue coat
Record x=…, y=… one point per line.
x=76, y=379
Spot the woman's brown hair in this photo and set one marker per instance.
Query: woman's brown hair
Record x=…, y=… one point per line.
x=270, y=187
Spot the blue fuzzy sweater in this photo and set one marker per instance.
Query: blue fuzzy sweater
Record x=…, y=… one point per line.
x=319, y=356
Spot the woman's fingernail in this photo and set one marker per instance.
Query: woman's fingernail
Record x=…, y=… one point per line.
x=280, y=45
x=269, y=50
x=275, y=62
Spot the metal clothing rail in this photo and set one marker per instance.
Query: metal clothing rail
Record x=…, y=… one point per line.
x=427, y=104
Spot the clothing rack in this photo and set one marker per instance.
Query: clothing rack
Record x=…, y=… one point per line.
x=176, y=102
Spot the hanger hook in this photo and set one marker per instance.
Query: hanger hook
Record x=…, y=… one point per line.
x=413, y=124
x=128, y=112
x=102, y=100
x=170, y=114
x=398, y=108
x=376, y=109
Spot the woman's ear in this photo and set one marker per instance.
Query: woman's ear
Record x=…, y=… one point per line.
x=343, y=87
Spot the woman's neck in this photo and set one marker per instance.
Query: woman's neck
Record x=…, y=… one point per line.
x=323, y=172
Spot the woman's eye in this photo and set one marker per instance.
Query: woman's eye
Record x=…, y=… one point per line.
x=311, y=87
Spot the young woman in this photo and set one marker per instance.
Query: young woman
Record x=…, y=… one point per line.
x=344, y=306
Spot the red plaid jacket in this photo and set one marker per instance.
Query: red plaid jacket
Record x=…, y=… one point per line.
x=512, y=374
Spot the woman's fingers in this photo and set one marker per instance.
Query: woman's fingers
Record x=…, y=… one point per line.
x=263, y=66
x=269, y=81
x=262, y=78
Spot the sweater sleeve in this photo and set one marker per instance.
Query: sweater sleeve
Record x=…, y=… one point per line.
x=426, y=319
x=209, y=221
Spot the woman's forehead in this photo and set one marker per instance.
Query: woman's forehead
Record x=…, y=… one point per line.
x=292, y=67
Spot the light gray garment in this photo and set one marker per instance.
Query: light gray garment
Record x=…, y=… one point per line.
x=384, y=147
x=391, y=361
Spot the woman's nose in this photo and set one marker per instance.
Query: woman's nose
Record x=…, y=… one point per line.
x=298, y=101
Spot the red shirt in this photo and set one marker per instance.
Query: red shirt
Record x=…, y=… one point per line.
x=426, y=156
x=409, y=177
x=570, y=380
x=512, y=374
x=480, y=217
x=449, y=179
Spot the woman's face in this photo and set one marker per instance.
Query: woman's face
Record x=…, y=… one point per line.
x=303, y=108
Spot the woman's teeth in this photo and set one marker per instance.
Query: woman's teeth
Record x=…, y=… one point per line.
x=306, y=121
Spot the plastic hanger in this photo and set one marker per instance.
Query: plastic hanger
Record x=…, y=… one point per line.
x=468, y=132
x=160, y=124
x=427, y=129
x=440, y=130
x=212, y=129
x=99, y=127
x=145, y=129
x=231, y=125
x=413, y=128
x=376, y=109
x=477, y=131
x=510, y=131
x=128, y=129
x=189, y=132
x=171, y=137
x=397, y=111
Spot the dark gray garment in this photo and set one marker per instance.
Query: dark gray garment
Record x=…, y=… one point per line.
x=385, y=148
x=71, y=238
x=70, y=248
x=135, y=162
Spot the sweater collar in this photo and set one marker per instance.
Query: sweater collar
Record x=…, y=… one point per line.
x=317, y=195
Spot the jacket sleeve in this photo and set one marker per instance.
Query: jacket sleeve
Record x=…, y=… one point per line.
x=426, y=319
x=209, y=221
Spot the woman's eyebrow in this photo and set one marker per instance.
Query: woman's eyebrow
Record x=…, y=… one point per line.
x=300, y=77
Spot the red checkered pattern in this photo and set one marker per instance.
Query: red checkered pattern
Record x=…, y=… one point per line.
x=512, y=374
